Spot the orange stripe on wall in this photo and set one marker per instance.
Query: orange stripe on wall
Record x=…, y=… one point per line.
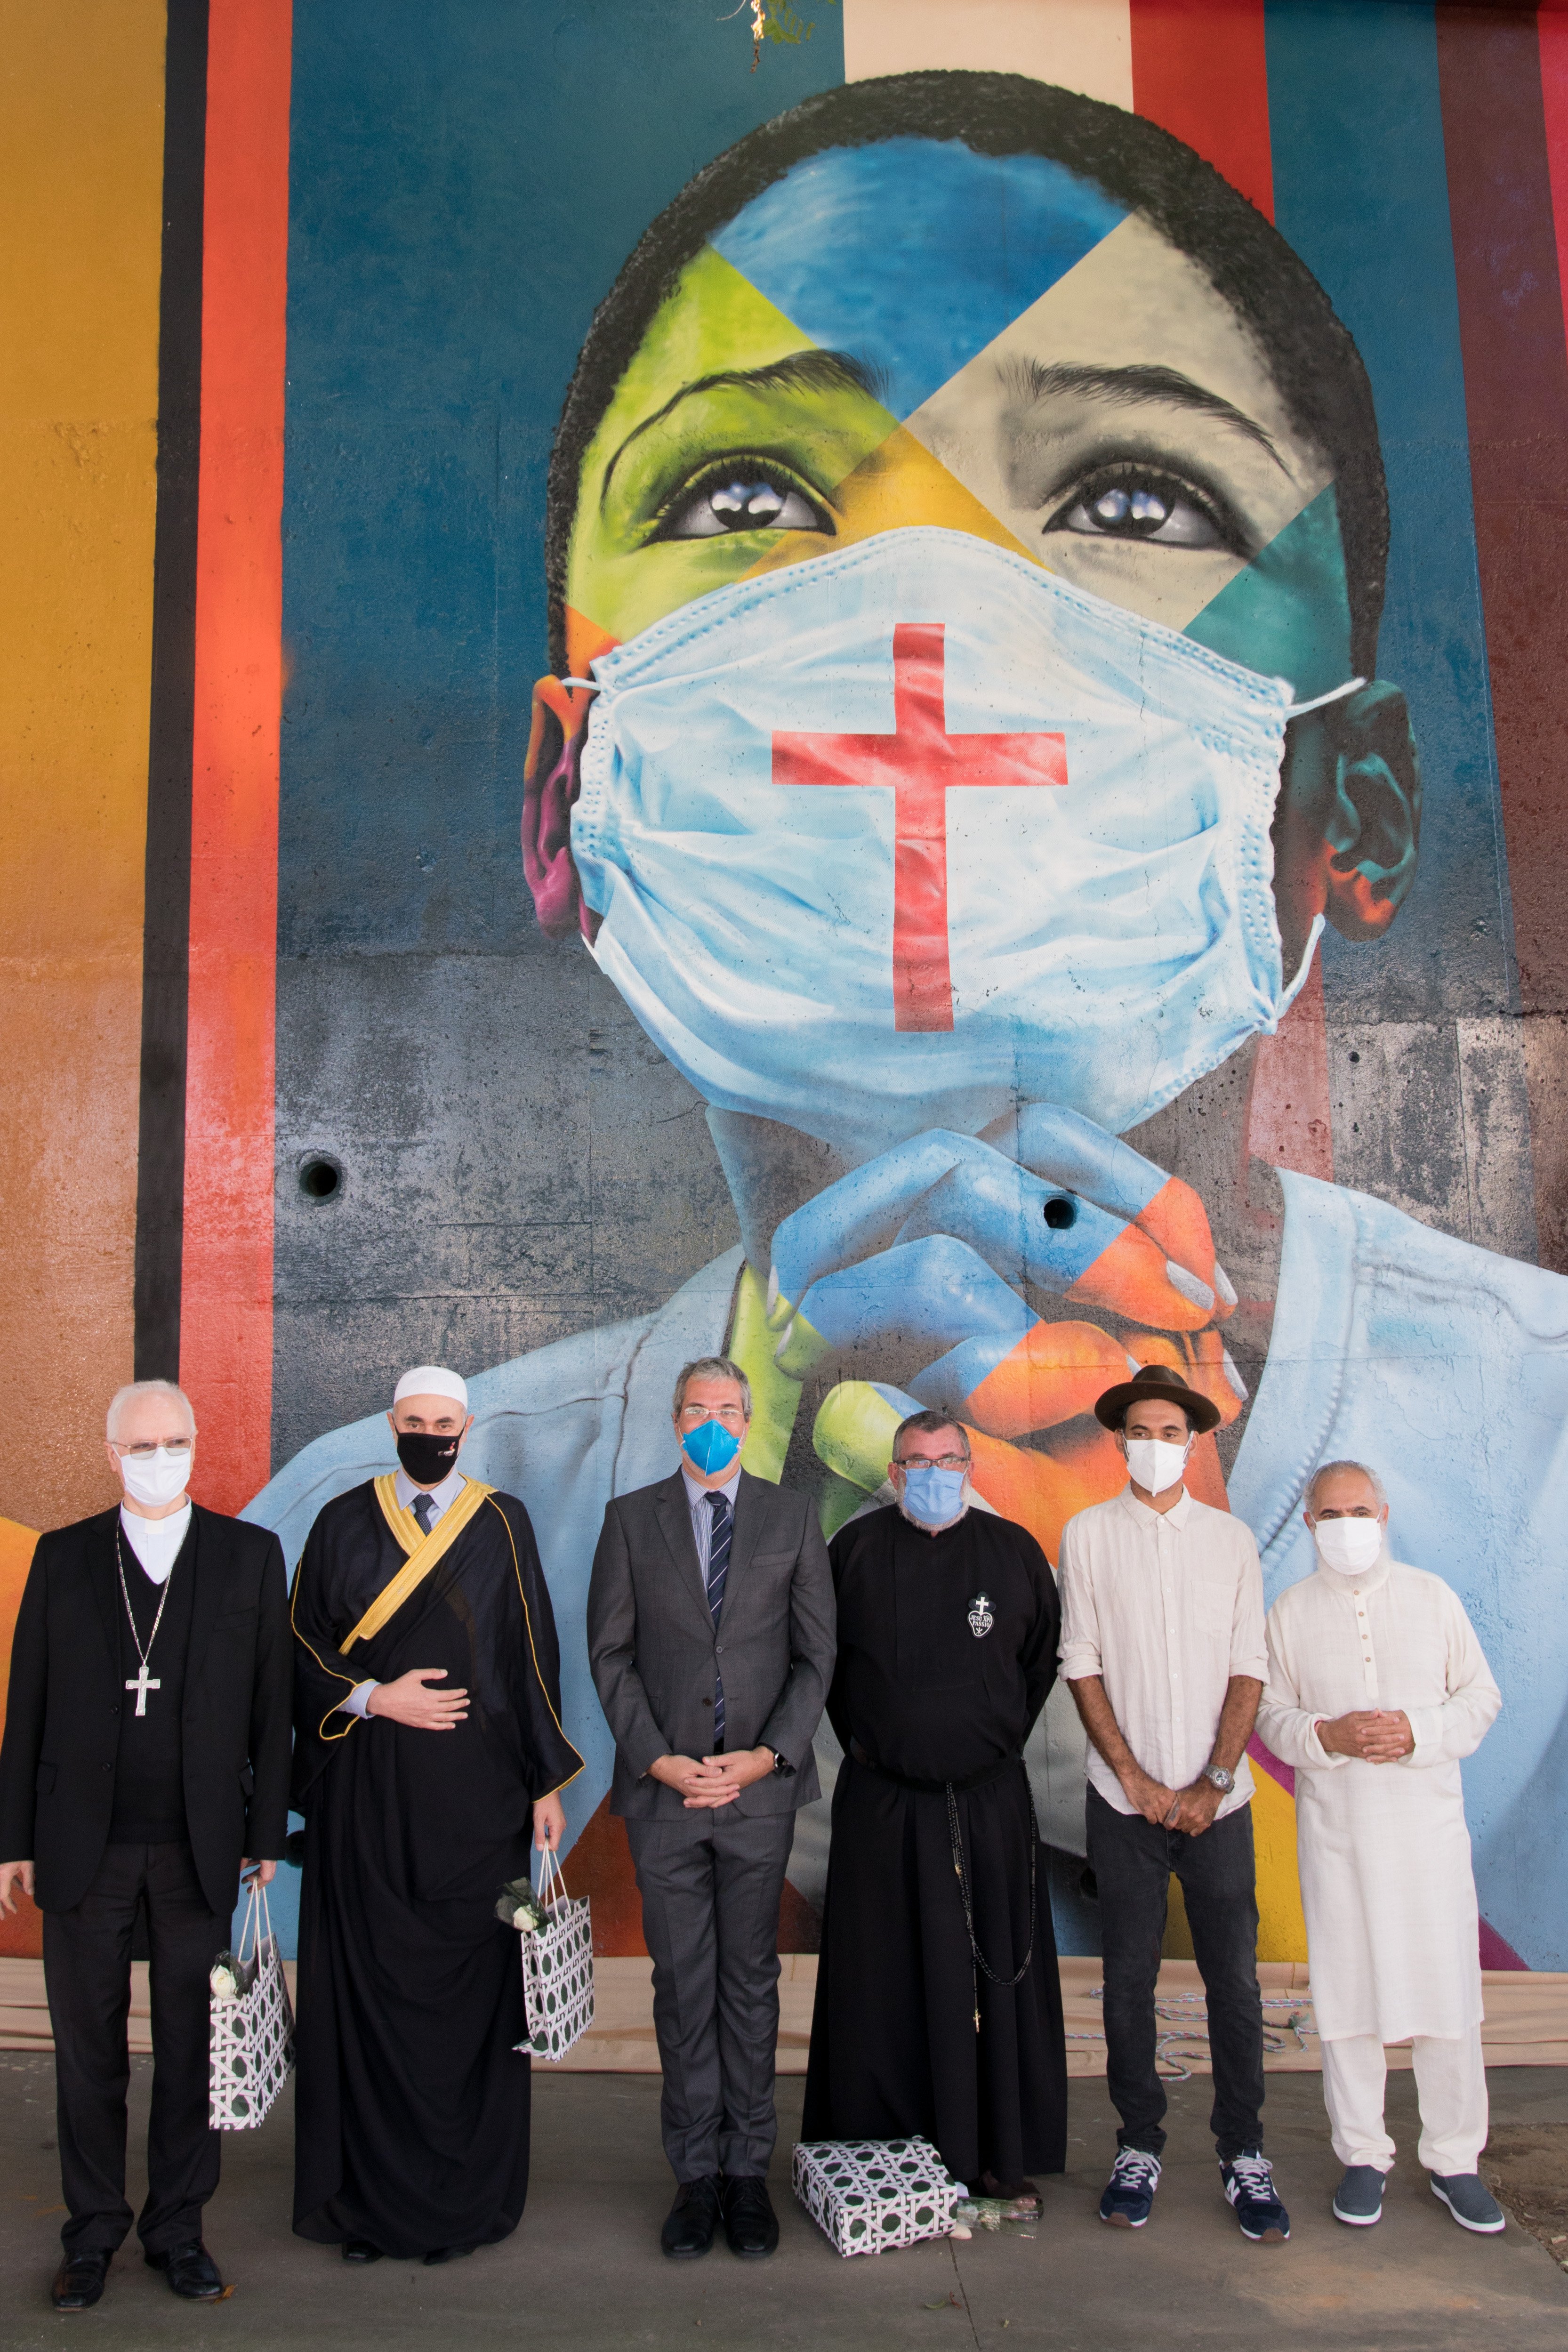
x=226, y=1351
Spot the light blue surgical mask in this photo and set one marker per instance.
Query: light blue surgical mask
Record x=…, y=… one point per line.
x=710, y=1446
x=931, y=1496
x=898, y=837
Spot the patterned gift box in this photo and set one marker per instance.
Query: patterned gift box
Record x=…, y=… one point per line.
x=869, y=2194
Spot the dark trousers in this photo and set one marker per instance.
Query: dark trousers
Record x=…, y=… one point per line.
x=1133, y=1860
x=711, y=1883
x=87, y=1973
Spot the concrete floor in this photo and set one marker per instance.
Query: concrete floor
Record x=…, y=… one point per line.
x=584, y=2269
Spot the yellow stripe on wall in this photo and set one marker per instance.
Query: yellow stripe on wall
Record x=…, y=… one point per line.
x=81, y=154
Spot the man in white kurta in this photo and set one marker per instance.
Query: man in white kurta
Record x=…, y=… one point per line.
x=1378, y=1687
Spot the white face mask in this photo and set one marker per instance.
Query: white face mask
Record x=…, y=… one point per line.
x=1155, y=1465
x=1074, y=904
x=1348, y=1545
x=156, y=1478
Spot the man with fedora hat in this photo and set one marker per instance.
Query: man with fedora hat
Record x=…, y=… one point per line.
x=1163, y=1646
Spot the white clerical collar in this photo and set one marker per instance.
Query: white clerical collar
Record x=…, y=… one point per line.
x=451, y=1486
x=156, y=1542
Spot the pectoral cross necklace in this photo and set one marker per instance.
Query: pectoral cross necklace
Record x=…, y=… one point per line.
x=143, y=1682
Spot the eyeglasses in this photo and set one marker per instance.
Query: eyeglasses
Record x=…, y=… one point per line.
x=730, y=1414
x=145, y=1447
x=928, y=1462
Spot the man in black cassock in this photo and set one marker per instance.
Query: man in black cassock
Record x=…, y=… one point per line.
x=428, y=1746
x=938, y=2004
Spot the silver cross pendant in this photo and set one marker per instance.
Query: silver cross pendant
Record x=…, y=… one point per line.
x=141, y=1684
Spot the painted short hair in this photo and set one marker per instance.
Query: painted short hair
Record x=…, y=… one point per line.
x=926, y=1424
x=712, y=1367
x=134, y=1388
x=1310, y=353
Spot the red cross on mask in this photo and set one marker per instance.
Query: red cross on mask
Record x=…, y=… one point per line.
x=920, y=763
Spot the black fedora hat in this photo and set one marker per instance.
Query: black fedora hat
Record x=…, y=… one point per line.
x=1155, y=1380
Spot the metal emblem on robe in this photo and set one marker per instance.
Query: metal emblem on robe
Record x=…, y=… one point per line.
x=980, y=1617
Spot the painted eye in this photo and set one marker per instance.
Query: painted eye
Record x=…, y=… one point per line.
x=1142, y=505
x=743, y=502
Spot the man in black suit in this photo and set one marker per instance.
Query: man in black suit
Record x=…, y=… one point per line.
x=710, y=1633
x=146, y=1754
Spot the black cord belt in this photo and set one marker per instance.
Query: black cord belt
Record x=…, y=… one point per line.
x=953, y=1790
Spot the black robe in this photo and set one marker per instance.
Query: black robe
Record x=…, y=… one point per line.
x=893, y=2045
x=412, y=2114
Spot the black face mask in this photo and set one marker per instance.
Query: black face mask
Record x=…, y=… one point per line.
x=426, y=1459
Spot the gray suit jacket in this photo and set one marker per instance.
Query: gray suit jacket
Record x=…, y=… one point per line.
x=655, y=1653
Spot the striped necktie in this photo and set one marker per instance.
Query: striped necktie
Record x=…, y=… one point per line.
x=717, y=1570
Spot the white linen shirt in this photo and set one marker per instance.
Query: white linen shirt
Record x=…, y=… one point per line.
x=1164, y=1607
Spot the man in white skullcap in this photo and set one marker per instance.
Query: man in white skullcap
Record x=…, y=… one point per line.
x=428, y=1747
x=1378, y=1688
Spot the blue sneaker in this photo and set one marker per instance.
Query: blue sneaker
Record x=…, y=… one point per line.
x=1469, y=2200
x=1130, y=2191
x=1249, y=2187
x=1358, y=2200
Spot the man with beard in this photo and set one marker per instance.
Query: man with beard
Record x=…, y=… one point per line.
x=427, y=1710
x=938, y=2005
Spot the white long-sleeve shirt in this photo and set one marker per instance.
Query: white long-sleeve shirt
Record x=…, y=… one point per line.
x=1384, y=1851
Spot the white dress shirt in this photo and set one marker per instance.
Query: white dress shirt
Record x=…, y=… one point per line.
x=451, y=1486
x=1164, y=1607
x=156, y=1542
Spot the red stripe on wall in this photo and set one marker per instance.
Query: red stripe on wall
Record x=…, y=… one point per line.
x=226, y=1351
x=1200, y=71
x=1516, y=400
x=1553, y=34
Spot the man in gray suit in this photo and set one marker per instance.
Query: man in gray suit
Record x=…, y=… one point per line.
x=710, y=1634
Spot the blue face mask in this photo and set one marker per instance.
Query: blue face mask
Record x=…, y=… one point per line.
x=710, y=1446
x=932, y=1496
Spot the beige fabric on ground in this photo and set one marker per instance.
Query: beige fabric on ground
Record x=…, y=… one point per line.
x=1450, y=2083
x=1392, y=1933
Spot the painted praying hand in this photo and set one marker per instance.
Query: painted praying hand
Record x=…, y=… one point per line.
x=939, y=1254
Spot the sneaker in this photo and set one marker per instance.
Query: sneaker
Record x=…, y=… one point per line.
x=1469, y=2200
x=1249, y=2185
x=1130, y=2191
x=1358, y=2200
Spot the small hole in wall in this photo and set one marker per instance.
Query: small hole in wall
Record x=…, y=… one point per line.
x=320, y=1179
x=1061, y=1212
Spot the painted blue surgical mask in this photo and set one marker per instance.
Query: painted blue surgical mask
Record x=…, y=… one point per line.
x=710, y=1446
x=931, y=1496
x=900, y=836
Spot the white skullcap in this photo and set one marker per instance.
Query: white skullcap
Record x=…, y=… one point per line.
x=431, y=1380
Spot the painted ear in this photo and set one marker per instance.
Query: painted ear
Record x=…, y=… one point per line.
x=551, y=781
x=1371, y=824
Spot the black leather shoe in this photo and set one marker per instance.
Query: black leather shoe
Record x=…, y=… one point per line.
x=78, y=2282
x=693, y=2219
x=360, y=2250
x=749, y=2221
x=439, y=2255
x=190, y=2270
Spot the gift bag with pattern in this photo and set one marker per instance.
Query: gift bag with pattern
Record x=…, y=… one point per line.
x=251, y=2044
x=558, y=1968
x=870, y=2194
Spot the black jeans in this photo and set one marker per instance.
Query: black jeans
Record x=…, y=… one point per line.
x=1133, y=1860
x=87, y=1973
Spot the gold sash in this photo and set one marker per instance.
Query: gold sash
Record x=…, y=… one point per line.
x=423, y=1550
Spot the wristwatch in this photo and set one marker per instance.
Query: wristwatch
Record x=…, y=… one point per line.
x=781, y=1764
x=1223, y=1781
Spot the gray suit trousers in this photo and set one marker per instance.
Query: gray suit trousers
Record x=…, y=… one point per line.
x=711, y=1884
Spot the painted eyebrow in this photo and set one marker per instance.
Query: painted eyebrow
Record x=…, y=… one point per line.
x=802, y=371
x=1144, y=387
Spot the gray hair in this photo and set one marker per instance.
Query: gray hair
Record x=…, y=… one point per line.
x=134, y=1388
x=927, y=1424
x=1328, y=1469
x=712, y=1367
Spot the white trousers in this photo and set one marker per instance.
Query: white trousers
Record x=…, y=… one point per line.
x=1450, y=2084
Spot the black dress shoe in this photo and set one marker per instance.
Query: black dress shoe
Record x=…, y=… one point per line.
x=79, y=2280
x=190, y=2270
x=438, y=2254
x=693, y=2219
x=749, y=2221
x=360, y=2250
